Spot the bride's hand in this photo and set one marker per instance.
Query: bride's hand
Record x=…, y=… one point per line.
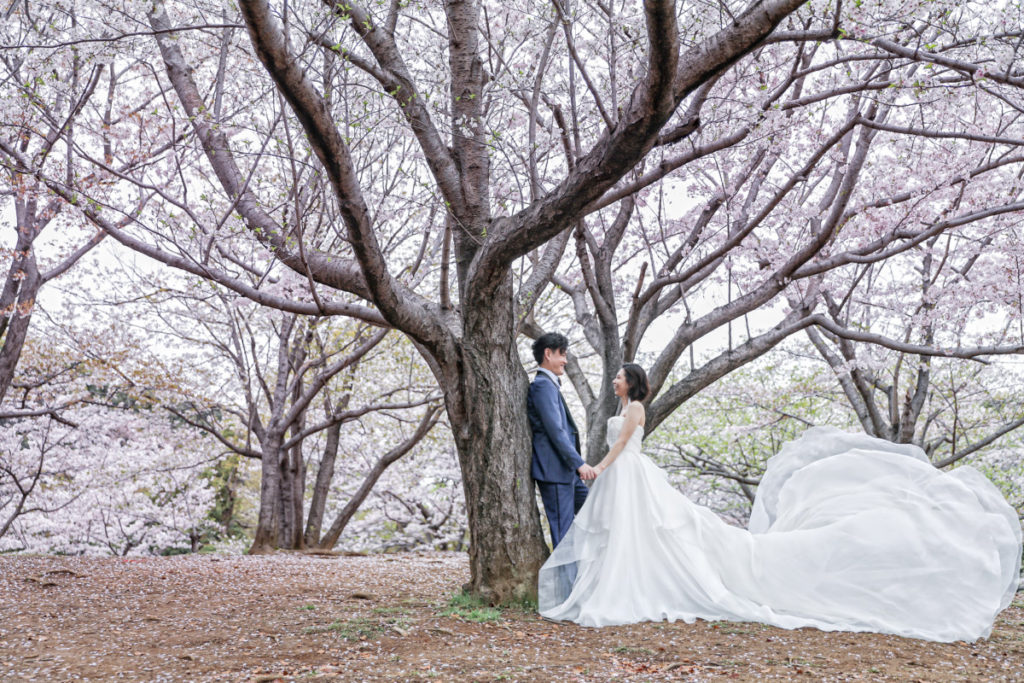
x=598, y=469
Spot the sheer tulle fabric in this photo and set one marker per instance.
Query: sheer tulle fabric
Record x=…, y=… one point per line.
x=848, y=533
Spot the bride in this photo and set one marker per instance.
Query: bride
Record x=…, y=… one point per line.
x=848, y=533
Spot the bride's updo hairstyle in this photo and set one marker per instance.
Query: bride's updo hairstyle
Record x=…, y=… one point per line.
x=636, y=380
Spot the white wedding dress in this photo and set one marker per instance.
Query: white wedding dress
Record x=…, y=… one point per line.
x=848, y=533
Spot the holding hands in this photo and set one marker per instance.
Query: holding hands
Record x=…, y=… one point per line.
x=588, y=473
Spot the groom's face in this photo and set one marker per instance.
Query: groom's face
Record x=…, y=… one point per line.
x=555, y=360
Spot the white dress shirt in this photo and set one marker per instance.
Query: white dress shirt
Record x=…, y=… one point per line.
x=554, y=378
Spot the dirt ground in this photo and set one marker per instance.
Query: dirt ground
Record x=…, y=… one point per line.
x=391, y=618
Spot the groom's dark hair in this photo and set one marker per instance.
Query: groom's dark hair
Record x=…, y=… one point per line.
x=551, y=340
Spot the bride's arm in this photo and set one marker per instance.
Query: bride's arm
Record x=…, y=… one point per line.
x=634, y=416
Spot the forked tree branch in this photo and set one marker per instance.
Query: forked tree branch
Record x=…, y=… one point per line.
x=401, y=307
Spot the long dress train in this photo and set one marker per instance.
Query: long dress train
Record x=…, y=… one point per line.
x=848, y=533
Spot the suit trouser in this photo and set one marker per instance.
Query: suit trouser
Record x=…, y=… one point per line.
x=561, y=503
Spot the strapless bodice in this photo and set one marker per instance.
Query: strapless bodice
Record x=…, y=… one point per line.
x=615, y=423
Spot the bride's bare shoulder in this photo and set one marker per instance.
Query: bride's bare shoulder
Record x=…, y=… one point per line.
x=636, y=409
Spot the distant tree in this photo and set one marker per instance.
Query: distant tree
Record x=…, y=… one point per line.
x=40, y=120
x=90, y=462
x=290, y=378
x=957, y=291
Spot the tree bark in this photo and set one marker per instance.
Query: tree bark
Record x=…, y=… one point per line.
x=324, y=475
x=293, y=488
x=266, y=537
x=19, y=293
x=293, y=478
x=486, y=402
x=20, y=316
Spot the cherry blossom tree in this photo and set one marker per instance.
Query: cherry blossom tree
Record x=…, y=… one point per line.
x=471, y=345
x=90, y=462
x=104, y=480
x=41, y=115
x=962, y=289
x=785, y=190
x=300, y=383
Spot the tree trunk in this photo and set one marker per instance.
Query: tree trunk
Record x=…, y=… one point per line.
x=605, y=403
x=324, y=475
x=17, y=328
x=19, y=295
x=293, y=484
x=298, y=494
x=330, y=539
x=486, y=404
x=227, y=515
x=266, y=538
x=603, y=407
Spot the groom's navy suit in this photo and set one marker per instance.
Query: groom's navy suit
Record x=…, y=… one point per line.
x=556, y=455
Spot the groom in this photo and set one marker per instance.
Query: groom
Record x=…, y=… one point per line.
x=557, y=465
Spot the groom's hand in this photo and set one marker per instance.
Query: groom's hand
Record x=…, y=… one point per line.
x=587, y=472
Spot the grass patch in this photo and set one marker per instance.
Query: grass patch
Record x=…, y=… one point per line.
x=359, y=628
x=798, y=661
x=627, y=650
x=390, y=610
x=470, y=608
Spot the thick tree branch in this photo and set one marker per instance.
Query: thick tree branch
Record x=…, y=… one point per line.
x=325, y=268
x=988, y=440
x=975, y=353
x=397, y=304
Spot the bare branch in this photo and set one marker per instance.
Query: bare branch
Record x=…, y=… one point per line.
x=968, y=68
x=397, y=304
x=977, y=446
x=121, y=36
x=426, y=424
x=975, y=353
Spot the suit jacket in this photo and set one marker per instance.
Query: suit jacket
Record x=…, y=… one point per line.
x=556, y=441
